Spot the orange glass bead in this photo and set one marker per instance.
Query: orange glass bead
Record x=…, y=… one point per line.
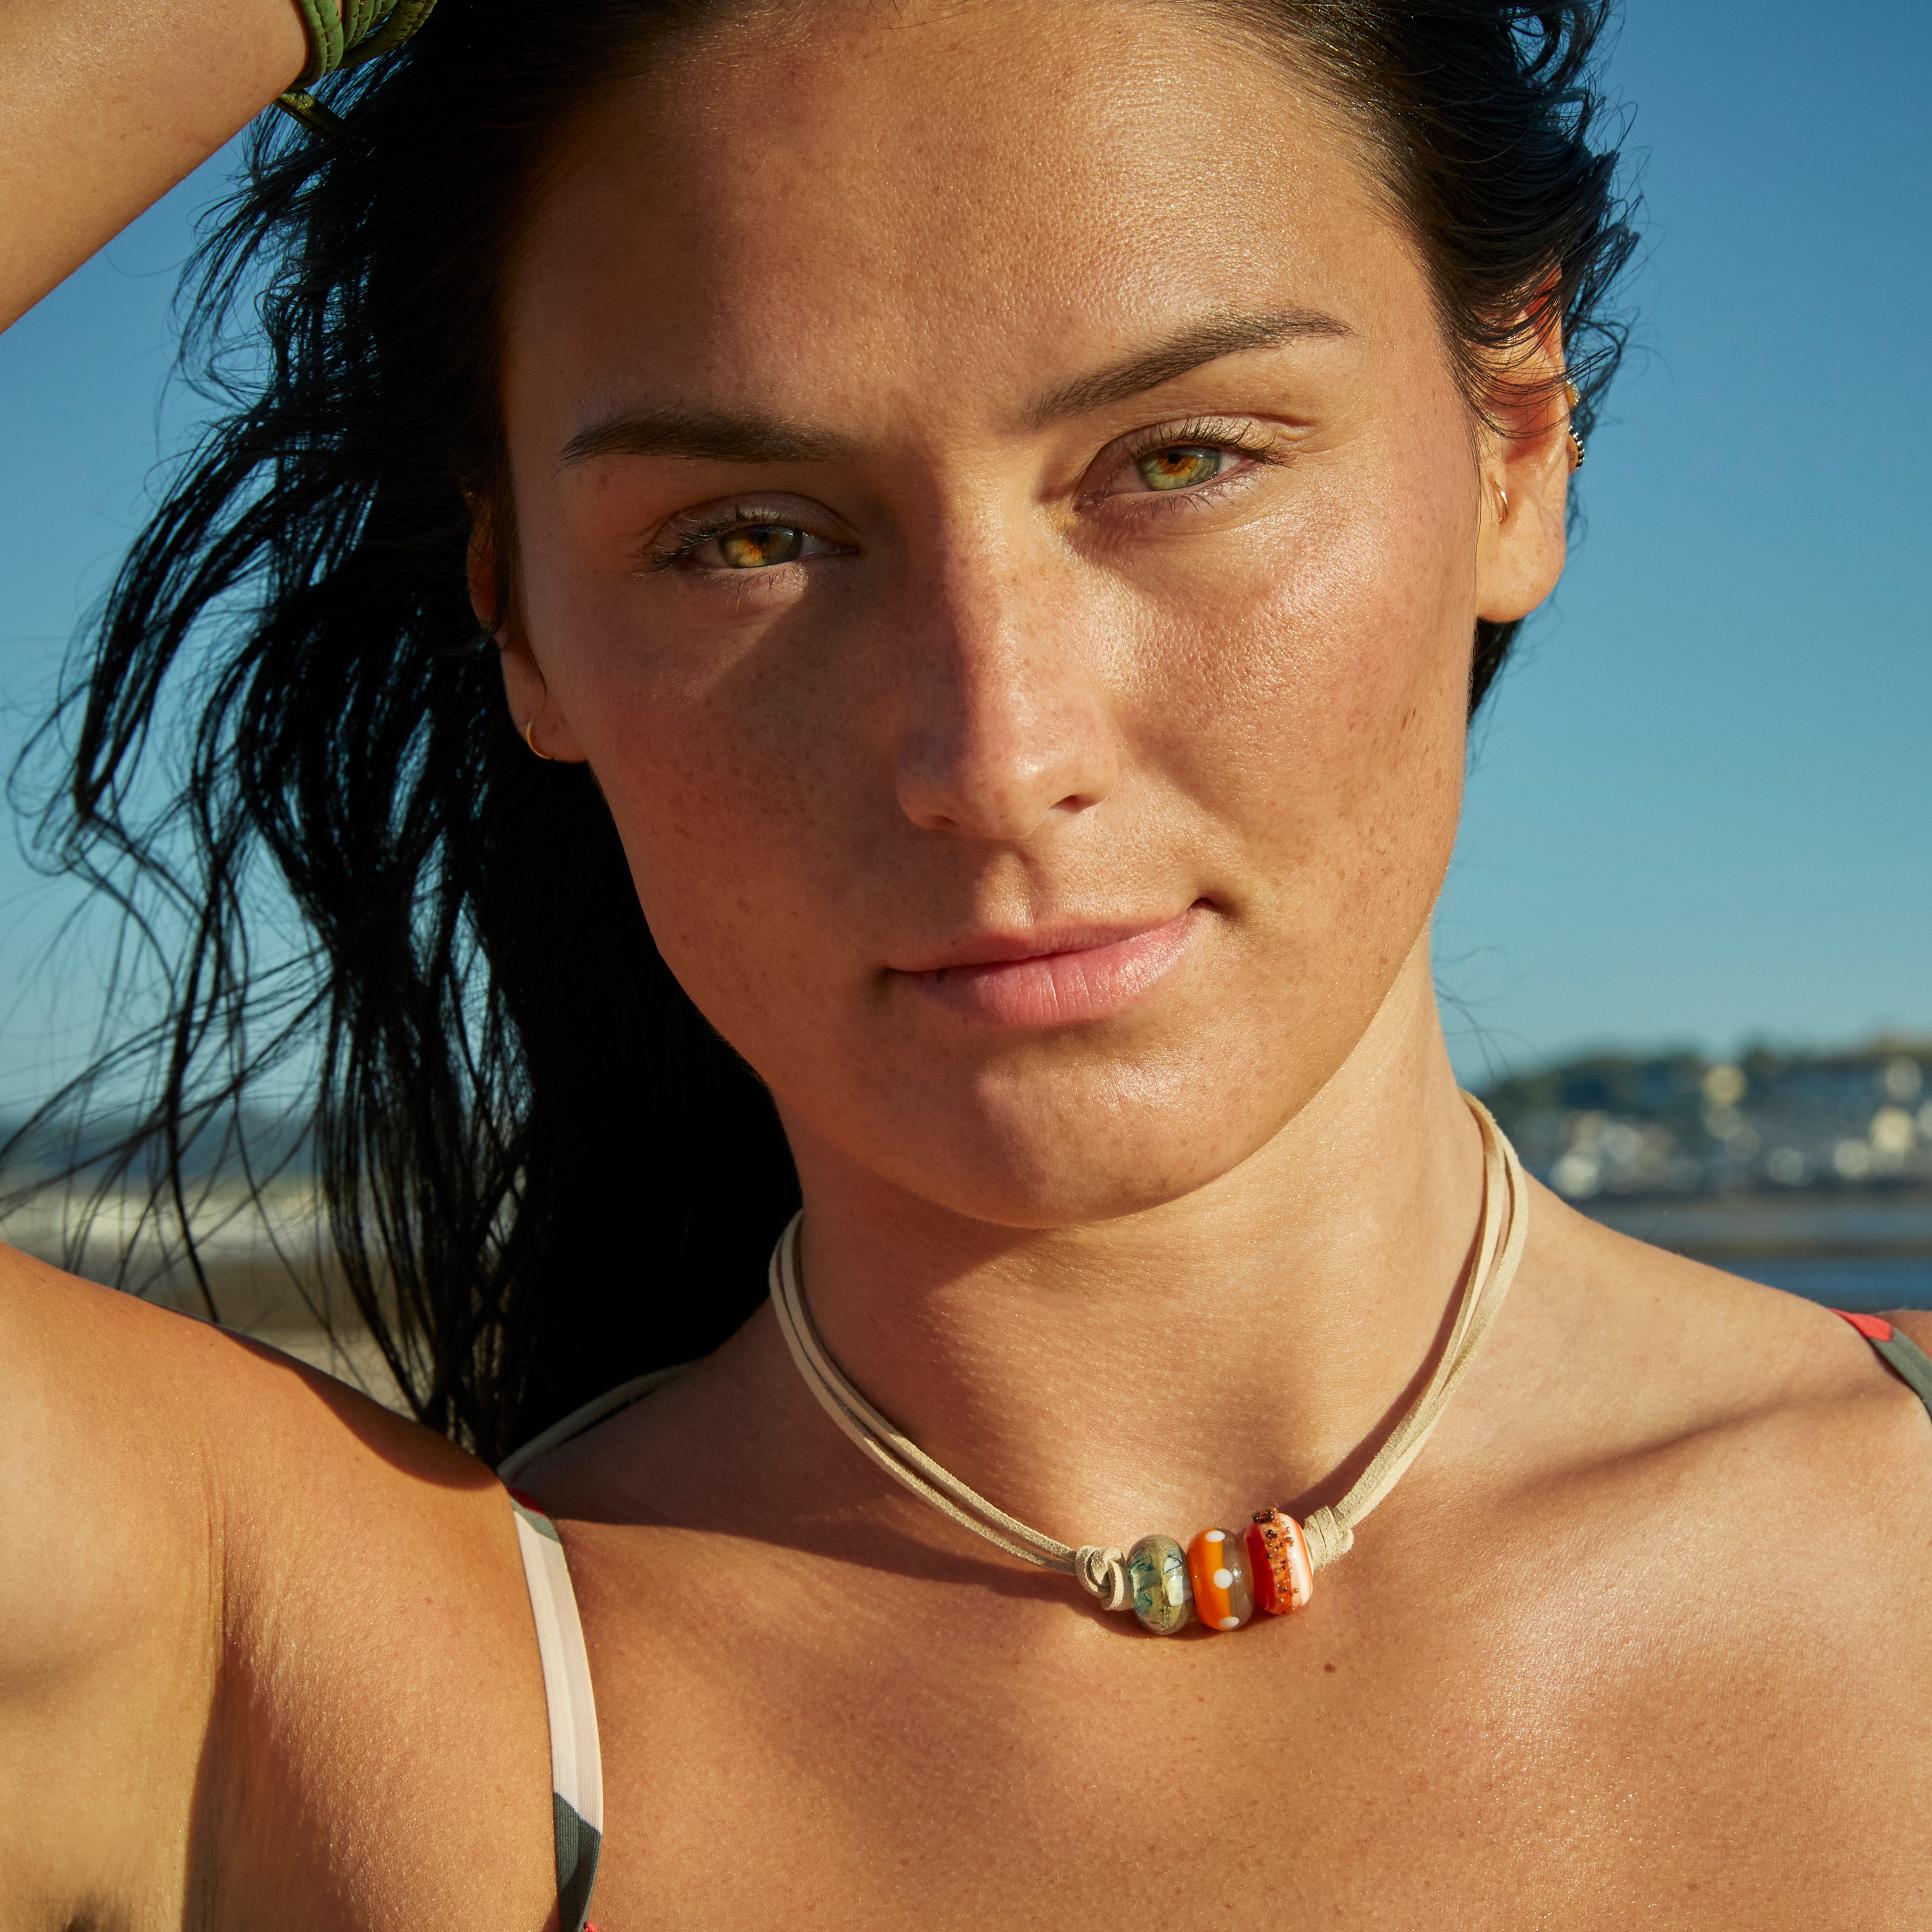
x=1284, y=1576
x=1217, y=1567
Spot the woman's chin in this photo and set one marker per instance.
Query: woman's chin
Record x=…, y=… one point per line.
x=1055, y=1147
x=1048, y=1192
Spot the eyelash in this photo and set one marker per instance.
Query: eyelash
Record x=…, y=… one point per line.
x=1253, y=440
x=692, y=537
x=1249, y=439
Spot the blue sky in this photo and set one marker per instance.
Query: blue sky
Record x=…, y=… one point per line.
x=1699, y=806
x=1700, y=810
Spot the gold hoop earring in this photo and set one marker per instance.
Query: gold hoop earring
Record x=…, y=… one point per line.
x=1502, y=504
x=530, y=741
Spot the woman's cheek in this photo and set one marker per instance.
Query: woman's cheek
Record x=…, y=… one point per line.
x=1288, y=673
x=707, y=766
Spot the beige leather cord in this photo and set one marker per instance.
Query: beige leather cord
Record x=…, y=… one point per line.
x=1102, y=1569
x=1499, y=1244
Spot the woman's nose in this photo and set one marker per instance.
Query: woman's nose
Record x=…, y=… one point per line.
x=1005, y=720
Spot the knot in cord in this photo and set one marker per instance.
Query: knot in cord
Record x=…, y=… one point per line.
x=1103, y=1573
x=1329, y=1537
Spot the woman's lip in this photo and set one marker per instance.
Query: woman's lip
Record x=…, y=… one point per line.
x=1060, y=979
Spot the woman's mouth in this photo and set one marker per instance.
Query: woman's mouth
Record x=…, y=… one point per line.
x=1055, y=977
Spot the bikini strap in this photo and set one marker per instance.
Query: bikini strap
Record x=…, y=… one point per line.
x=576, y=1764
x=1901, y=1354
x=599, y=1409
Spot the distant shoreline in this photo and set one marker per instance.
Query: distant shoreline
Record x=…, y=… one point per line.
x=1734, y=1227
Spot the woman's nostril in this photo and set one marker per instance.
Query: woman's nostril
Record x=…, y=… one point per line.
x=1006, y=793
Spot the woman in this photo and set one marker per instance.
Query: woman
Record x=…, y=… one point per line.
x=1004, y=509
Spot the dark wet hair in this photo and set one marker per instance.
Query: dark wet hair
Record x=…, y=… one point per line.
x=543, y=1171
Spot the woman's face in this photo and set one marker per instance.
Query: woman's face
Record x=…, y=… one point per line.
x=995, y=510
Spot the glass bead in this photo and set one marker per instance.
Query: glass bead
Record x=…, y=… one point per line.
x=1217, y=1566
x=1278, y=1554
x=1157, y=1571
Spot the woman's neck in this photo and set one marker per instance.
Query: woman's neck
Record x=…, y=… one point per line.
x=1232, y=1347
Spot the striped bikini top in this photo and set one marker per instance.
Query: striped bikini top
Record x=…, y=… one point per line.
x=576, y=1763
x=576, y=1773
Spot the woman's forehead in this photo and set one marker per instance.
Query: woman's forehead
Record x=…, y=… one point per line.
x=895, y=201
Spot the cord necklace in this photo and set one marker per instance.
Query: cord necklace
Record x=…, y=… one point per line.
x=1220, y=1577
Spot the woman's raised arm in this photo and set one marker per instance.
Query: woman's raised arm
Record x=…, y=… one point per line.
x=105, y=104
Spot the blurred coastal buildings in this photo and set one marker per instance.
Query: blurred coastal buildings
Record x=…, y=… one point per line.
x=1679, y=1125
x=1812, y=1171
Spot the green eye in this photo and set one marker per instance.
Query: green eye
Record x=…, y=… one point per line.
x=758, y=546
x=1181, y=467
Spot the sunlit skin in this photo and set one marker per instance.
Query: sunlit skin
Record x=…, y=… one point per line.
x=995, y=511
x=1008, y=690
x=997, y=650
x=1010, y=696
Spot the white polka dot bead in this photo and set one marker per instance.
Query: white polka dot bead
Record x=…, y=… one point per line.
x=1218, y=1564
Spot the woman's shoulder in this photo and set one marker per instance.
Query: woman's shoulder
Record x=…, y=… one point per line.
x=111, y=1404
x=105, y=1391
x=1742, y=1421
x=1714, y=1514
x=240, y=1601
x=1662, y=1348
x=1776, y=1346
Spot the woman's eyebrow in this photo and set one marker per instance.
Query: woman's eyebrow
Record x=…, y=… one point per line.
x=1203, y=341
x=724, y=436
x=705, y=436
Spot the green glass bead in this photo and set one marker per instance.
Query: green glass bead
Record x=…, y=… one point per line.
x=1157, y=1570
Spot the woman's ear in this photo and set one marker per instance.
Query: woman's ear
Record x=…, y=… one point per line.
x=525, y=688
x=1526, y=457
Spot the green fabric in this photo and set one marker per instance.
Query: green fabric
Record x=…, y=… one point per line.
x=538, y=1521
x=578, y=1845
x=1909, y=1363
x=402, y=20
x=323, y=19
x=302, y=107
x=337, y=40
